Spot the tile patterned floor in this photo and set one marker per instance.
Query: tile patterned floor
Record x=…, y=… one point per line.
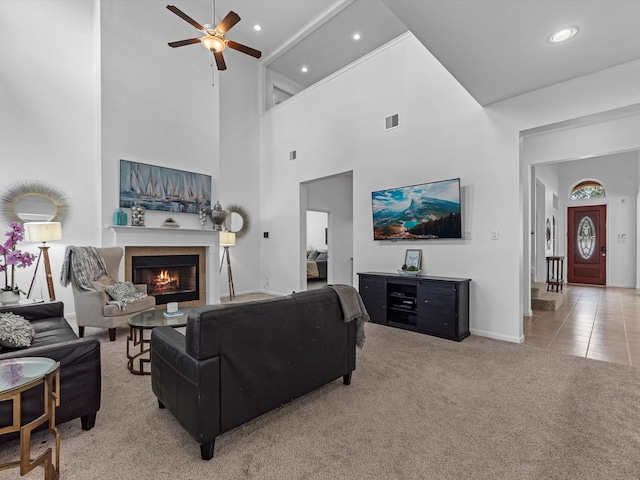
x=594, y=322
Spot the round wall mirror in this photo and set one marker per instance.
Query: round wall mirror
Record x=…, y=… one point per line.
x=237, y=220
x=33, y=201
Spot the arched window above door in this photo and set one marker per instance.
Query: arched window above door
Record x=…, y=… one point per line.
x=587, y=189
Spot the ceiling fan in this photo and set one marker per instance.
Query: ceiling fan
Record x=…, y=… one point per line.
x=213, y=38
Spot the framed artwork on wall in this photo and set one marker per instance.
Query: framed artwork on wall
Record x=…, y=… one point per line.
x=161, y=188
x=413, y=258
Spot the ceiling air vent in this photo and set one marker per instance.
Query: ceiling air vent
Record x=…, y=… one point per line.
x=292, y=155
x=391, y=122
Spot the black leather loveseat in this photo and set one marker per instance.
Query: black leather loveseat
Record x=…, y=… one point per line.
x=238, y=361
x=80, y=377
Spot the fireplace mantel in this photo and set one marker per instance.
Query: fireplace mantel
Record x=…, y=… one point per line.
x=159, y=236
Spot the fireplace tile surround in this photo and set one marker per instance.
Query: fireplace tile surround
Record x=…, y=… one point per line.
x=163, y=241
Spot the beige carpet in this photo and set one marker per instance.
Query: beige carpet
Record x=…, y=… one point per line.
x=418, y=408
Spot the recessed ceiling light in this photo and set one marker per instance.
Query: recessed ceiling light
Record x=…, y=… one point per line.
x=257, y=27
x=562, y=35
x=356, y=36
x=304, y=69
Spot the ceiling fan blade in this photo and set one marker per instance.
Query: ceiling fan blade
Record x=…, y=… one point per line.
x=219, y=61
x=227, y=22
x=244, y=49
x=185, y=17
x=182, y=43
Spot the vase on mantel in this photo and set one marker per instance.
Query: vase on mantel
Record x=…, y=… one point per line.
x=9, y=297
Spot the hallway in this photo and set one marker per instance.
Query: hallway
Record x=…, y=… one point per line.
x=602, y=323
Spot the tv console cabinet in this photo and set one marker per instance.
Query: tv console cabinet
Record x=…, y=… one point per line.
x=433, y=305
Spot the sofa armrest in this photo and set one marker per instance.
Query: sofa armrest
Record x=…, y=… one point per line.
x=88, y=304
x=80, y=374
x=141, y=287
x=36, y=311
x=187, y=387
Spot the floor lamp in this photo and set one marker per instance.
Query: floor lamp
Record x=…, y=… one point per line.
x=43, y=232
x=228, y=239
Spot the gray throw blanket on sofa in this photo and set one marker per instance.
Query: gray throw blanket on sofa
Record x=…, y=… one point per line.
x=85, y=264
x=352, y=308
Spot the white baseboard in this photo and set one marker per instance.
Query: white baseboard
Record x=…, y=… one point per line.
x=528, y=313
x=497, y=336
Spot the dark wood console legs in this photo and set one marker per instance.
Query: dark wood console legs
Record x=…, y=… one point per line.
x=346, y=379
x=206, y=449
x=81, y=332
x=88, y=421
x=112, y=334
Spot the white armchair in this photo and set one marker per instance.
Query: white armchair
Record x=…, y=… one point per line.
x=92, y=309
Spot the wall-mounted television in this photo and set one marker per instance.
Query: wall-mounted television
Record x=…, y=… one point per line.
x=418, y=212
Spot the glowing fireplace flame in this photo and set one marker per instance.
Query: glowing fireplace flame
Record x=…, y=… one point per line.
x=165, y=282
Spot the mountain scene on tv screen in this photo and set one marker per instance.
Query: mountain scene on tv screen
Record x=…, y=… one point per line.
x=418, y=212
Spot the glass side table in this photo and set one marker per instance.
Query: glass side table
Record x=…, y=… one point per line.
x=19, y=375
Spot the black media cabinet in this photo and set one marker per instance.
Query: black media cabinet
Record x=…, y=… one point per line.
x=433, y=305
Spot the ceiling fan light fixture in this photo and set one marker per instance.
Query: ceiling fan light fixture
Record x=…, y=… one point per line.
x=211, y=42
x=563, y=35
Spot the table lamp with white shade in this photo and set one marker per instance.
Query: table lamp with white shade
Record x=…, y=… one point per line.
x=43, y=232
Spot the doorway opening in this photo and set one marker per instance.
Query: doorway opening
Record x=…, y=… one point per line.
x=317, y=248
x=332, y=196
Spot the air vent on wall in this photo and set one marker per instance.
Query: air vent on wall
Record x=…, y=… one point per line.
x=391, y=122
x=292, y=155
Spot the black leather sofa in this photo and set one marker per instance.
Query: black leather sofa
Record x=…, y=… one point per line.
x=238, y=361
x=80, y=374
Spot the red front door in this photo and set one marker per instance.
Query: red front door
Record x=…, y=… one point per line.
x=587, y=245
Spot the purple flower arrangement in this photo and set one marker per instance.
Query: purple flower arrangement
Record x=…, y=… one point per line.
x=10, y=256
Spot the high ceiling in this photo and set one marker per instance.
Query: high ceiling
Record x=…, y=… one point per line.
x=496, y=49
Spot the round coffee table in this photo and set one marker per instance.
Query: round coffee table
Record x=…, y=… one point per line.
x=18, y=375
x=138, y=344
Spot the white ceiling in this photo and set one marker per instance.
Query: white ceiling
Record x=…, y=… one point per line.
x=495, y=48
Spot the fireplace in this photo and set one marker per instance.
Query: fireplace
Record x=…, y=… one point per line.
x=171, y=274
x=169, y=278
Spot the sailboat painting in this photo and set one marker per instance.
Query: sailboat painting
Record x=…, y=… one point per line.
x=161, y=188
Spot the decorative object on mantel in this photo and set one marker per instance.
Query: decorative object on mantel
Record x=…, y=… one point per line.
x=33, y=201
x=165, y=189
x=170, y=223
x=10, y=256
x=203, y=212
x=137, y=216
x=237, y=220
x=217, y=216
x=43, y=232
x=120, y=217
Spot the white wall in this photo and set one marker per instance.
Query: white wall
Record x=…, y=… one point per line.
x=100, y=92
x=317, y=222
x=240, y=164
x=158, y=104
x=337, y=125
x=47, y=118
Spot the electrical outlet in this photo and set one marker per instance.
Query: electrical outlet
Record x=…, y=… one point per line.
x=494, y=234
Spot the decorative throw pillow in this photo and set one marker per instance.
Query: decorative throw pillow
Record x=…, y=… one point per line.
x=103, y=282
x=124, y=292
x=313, y=255
x=15, y=331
